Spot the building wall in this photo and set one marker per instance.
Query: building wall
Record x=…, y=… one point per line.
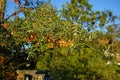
x=32, y=73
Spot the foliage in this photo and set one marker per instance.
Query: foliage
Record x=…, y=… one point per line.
x=69, y=43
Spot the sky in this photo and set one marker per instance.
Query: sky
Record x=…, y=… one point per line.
x=101, y=5
x=113, y=5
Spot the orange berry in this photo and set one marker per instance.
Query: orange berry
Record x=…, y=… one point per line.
x=57, y=41
x=2, y=59
x=17, y=2
x=70, y=43
x=66, y=45
x=12, y=33
x=49, y=39
x=3, y=44
x=61, y=45
x=4, y=25
x=32, y=36
x=51, y=46
x=29, y=39
x=0, y=16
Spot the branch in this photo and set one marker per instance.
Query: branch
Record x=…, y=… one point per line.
x=13, y=14
x=49, y=1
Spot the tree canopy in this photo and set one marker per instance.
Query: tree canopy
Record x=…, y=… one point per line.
x=73, y=43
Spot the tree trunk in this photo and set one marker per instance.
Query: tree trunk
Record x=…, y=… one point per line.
x=2, y=9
